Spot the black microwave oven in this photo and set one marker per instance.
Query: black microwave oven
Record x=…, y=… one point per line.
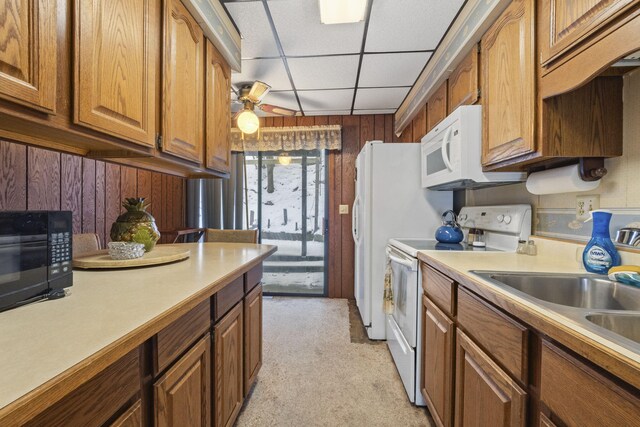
x=35, y=256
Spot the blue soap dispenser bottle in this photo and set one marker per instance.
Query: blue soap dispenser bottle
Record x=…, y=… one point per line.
x=600, y=254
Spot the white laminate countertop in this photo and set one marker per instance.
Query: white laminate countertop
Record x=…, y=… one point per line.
x=553, y=257
x=38, y=342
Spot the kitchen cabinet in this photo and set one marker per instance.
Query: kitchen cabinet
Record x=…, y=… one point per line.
x=183, y=84
x=181, y=396
x=252, y=337
x=218, y=112
x=463, y=83
x=437, y=107
x=132, y=417
x=437, y=363
x=578, y=395
x=508, y=85
x=228, y=367
x=115, y=76
x=485, y=395
x=29, y=53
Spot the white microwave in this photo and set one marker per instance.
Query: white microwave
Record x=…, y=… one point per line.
x=451, y=154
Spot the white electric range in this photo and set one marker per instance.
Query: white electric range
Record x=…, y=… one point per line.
x=503, y=227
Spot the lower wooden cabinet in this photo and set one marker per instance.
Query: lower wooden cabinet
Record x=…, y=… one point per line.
x=252, y=337
x=485, y=395
x=132, y=417
x=437, y=363
x=227, y=367
x=181, y=395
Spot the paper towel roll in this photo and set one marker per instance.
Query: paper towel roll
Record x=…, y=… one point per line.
x=560, y=180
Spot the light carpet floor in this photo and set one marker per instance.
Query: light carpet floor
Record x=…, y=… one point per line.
x=313, y=375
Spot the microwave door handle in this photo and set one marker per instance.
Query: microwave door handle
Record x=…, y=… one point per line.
x=446, y=142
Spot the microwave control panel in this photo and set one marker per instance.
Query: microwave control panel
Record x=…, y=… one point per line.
x=60, y=254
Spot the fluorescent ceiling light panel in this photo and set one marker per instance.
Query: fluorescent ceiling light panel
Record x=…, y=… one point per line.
x=342, y=11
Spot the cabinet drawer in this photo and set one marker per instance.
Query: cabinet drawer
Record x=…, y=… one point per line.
x=225, y=299
x=503, y=338
x=440, y=289
x=96, y=401
x=577, y=395
x=174, y=340
x=252, y=278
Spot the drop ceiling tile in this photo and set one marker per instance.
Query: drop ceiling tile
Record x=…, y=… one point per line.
x=326, y=72
x=328, y=113
x=270, y=71
x=282, y=99
x=379, y=99
x=301, y=33
x=400, y=25
x=315, y=100
x=384, y=111
x=257, y=37
x=392, y=69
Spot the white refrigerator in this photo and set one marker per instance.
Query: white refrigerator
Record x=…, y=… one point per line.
x=389, y=203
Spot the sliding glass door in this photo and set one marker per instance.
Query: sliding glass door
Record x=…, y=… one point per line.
x=286, y=199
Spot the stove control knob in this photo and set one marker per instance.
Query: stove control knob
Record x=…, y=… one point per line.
x=500, y=218
x=507, y=219
x=463, y=217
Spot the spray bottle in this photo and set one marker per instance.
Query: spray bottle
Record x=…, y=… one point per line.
x=600, y=254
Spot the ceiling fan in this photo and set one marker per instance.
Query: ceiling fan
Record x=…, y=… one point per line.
x=250, y=96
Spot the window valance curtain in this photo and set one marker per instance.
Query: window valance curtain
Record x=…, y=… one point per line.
x=292, y=138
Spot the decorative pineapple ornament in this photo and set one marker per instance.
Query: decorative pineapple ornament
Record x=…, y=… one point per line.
x=136, y=225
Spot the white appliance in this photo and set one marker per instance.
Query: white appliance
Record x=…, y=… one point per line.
x=389, y=202
x=503, y=225
x=452, y=154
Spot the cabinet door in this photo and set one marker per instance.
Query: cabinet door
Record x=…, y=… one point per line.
x=131, y=418
x=508, y=85
x=437, y=363
x=252, y=337
x=485, y=395
x=218, y=112
x=28, y=53
x=462, y=86
x=181, y=395
x=437, y=107
x=565, y=24
x=115, y=67
x=183, y=80
x=227, y=370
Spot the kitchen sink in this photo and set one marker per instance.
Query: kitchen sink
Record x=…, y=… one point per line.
x=582, y=291
x=627, y=325
x=606, y=308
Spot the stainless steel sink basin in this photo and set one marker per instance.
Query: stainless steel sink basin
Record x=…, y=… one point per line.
x=590, y=292
x=627, y=325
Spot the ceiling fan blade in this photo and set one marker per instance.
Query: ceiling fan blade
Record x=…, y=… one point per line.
x=258, y=91
x=274, y=109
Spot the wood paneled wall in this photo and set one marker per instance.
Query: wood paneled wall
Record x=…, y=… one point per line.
x=356, y=130
x=32, y=178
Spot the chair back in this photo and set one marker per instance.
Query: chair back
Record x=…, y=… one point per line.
x=85, y=244
x=231, y=236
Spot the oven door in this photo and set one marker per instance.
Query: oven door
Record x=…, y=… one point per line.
x=404, y=282
x=23, y=270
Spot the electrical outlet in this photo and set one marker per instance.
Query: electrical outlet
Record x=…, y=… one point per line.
x=344, y=209
x=586, y=204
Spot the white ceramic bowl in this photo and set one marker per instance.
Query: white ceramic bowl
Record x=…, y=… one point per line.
x=125, y=250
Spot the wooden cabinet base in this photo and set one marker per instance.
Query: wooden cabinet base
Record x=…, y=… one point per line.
x=227, y=368
x=252, y=337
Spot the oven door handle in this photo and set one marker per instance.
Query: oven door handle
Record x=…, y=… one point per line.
x=411, y=263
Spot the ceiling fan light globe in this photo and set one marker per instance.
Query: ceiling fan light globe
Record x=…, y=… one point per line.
x=248, y=122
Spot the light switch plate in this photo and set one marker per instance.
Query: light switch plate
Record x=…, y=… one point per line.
x=344, y=209
x=586, y=204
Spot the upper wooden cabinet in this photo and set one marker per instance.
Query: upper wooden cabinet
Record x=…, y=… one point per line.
x=218, y=111
x=463, y=86
x=508, y=85
x=565, y=24
x=183, y=80
x=115, y=76
x=29, y=53
x=437, y=107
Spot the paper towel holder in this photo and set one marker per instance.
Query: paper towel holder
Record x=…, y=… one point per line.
x=591, y=168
